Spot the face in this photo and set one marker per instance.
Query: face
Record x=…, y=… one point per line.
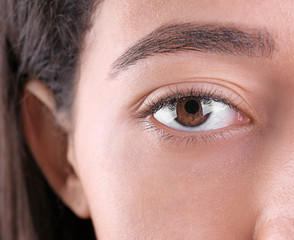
x=183, y=119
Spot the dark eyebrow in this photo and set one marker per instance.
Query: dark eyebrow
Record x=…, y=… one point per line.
x=199, y=38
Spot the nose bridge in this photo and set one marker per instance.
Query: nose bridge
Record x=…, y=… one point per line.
x=276, y=179
x=276, y=197
x=275, y=182
x=279, y=130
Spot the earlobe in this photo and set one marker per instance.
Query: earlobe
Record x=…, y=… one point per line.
x=73, y=196
x=48, y=139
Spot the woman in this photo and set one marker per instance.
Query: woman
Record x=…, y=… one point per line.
x=150, y=120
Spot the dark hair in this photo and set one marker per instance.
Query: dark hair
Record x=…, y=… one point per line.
x=38, y=39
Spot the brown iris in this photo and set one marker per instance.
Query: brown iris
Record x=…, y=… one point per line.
x=189, y=112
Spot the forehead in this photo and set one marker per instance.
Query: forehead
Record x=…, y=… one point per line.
x=134, y=14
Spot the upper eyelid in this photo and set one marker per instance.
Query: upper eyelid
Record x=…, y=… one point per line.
x=172, y=96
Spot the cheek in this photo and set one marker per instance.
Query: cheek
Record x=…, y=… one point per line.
x=135, y=185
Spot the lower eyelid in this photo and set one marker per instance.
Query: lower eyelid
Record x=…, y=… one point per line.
x=239, y=120
x=171, y=137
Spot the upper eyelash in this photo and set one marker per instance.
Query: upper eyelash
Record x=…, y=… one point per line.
x=173, y=97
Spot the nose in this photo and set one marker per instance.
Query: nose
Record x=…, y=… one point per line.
x=280, y=228
x=276, y=202
x=275, y=185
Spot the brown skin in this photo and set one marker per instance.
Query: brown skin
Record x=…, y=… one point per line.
x=135, y=186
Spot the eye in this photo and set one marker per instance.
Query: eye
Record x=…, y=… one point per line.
x=193, y=111
x=194, y=114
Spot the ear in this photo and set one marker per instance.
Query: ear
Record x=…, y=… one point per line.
x=47, y=133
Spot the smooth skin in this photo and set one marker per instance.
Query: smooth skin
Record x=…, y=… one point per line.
x=135, y=185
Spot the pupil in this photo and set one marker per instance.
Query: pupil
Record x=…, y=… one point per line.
x=192, y=107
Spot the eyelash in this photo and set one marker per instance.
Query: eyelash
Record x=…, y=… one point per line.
x=171, y=98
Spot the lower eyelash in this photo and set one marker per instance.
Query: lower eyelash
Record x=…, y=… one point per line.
x=188, y=141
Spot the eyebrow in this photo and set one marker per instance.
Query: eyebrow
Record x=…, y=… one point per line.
x=198, y=38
